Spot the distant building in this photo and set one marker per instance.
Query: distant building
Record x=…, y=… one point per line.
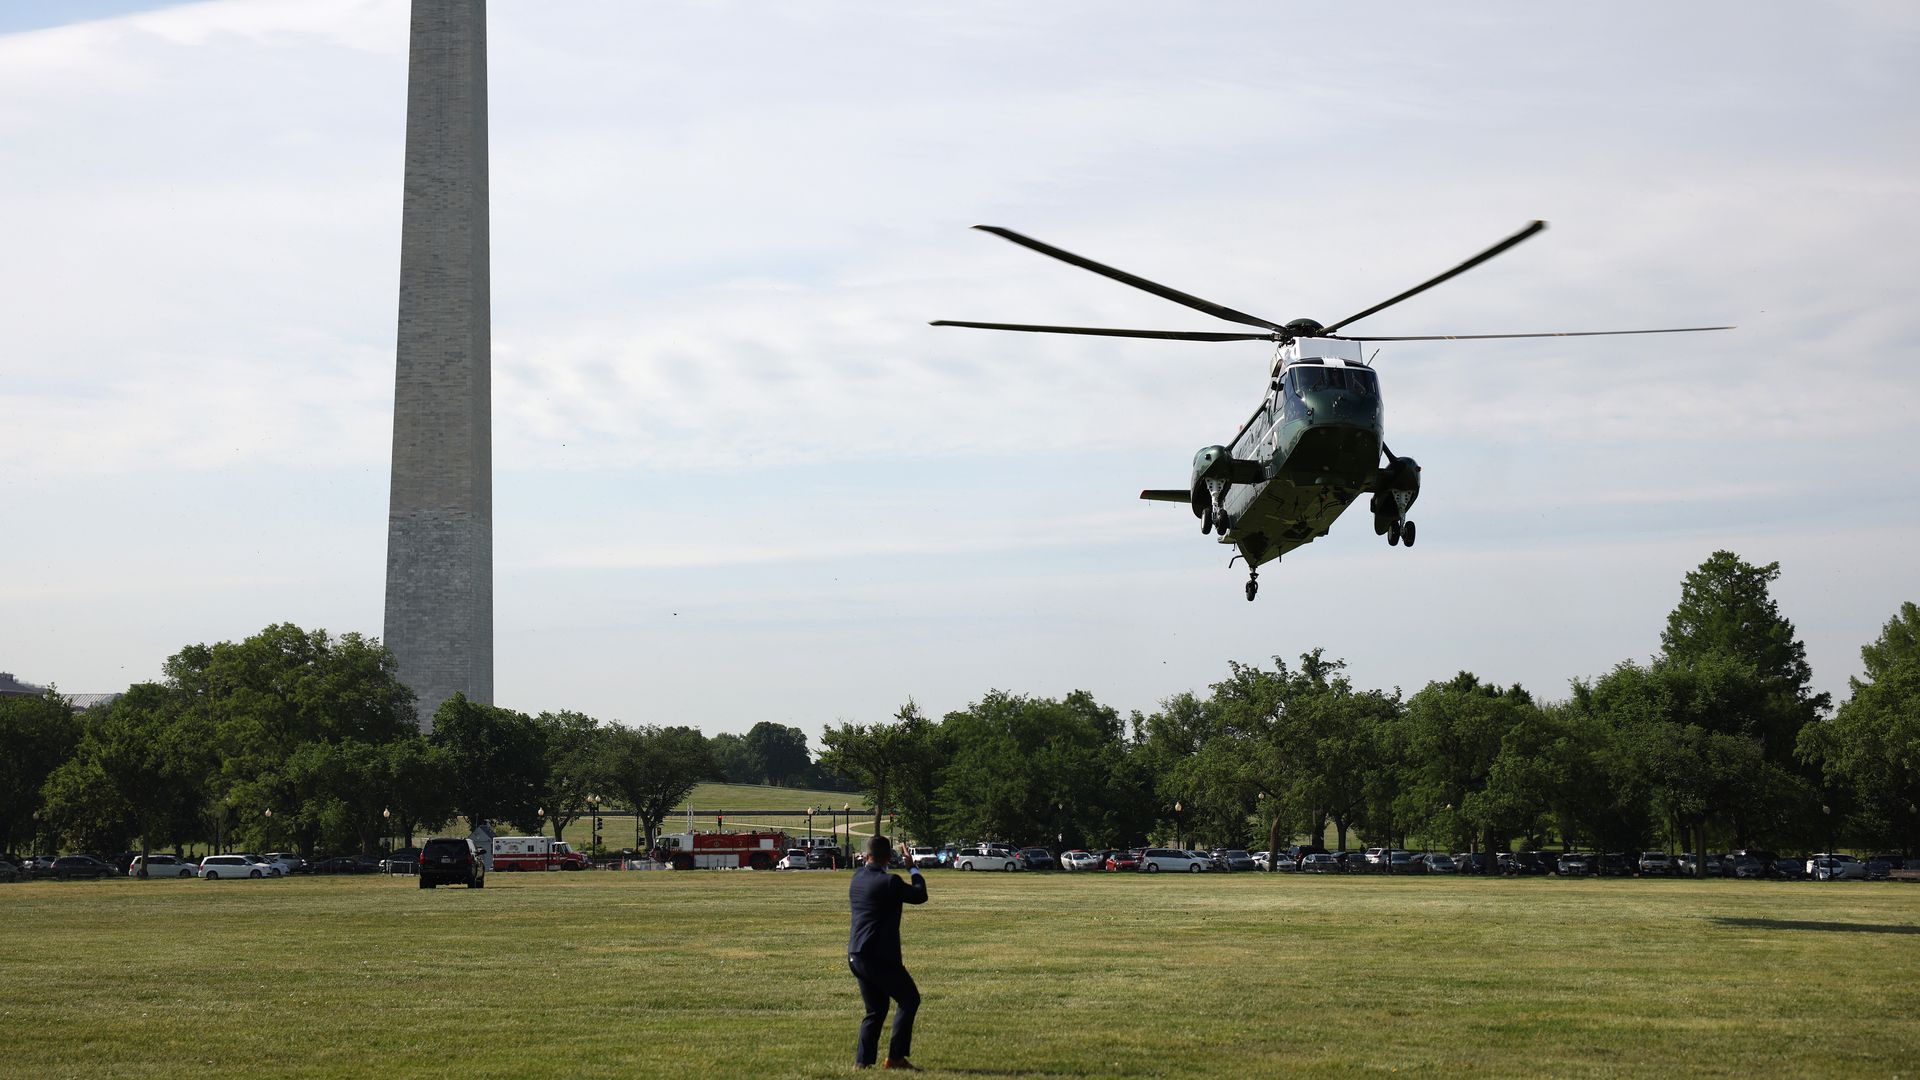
x=12, y=687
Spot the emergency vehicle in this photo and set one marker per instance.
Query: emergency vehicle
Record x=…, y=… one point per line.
x=708, y=851
x=535, y=853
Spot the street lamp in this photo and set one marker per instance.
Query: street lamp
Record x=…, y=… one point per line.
x=811, y=810
x=846, y=810
x=593, y=833
x=1176, y=826
x=386, y=817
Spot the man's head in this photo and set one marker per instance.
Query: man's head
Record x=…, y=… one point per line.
x=879, y=851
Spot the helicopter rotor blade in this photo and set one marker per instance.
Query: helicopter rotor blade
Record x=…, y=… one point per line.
x=1562, y=333
x=1099, y=331
x=1218, y=311
x=1431, y=282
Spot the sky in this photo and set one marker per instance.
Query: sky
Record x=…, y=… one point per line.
x=739, y=478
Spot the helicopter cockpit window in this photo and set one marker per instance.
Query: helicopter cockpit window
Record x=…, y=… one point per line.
x=1361, y=382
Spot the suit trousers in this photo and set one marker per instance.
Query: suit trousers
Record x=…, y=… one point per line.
x=881, y=981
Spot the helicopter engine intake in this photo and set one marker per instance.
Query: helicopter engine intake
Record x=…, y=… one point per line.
x=1214, y=471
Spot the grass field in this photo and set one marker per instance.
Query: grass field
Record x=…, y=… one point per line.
x=724, y=974
x=707, y=798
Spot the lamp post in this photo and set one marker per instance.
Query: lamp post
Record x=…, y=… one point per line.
x=846, y=811
x=1176, y=826
x=386, y=818
x=593, y=832
x=811, y=810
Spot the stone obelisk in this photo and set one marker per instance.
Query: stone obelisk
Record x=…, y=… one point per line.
x=440, y=519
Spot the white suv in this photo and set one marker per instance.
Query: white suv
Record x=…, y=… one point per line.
x=989, y=858
x=214, y=867
x=1153, y=860
x=161, y=866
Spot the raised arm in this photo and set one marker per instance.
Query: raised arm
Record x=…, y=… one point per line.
x=912, y=892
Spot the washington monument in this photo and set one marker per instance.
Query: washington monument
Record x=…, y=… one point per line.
x=439, y=620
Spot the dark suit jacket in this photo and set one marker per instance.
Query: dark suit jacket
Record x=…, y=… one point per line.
x=877, y=897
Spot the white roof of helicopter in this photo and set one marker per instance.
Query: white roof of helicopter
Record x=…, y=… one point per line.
x=1328, y=351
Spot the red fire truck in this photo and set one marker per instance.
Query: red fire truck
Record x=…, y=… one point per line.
x=706, y=851
x=535, y=853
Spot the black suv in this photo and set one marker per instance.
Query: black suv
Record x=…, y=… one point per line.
x=451, y=860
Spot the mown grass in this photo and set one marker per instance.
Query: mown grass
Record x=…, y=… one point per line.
x=707, y=798
x=742, y=974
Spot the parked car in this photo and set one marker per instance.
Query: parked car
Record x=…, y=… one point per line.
x=1573, y=864
x=1790, y=869
x=1613, y=864
x=70, y=867
x=161, y=866
x=1473, y=862
x=1035, y=858
x=10, y=873
x=1232, y=859
x=1320, y=863
x=270, y=869
x=1655, y=864
x=1300, y=851
x=1746, y=866
x=1834, y=866
x=215, y=867
x=1352, y=862
x=39, y=866
x=288, y=862
x=1378, y=856
x=1405, y=862
x=345, y=864
x=1079, y=860
x=451, y=860
x=794, y=859
x=987, y=858
x=1122, y=860
x=1881, y=867
x=922, y=857
x=1154, y=860
x=404, y=861
x=1262, y=860
x=1437, y=863
x=1528, y=864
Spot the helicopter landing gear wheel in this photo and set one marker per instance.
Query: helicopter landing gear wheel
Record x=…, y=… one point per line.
x=1206, y=522
x=1406, y=534
x=1393, y=534
x=1253, y=585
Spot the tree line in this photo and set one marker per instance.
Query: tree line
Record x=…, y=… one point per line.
x=295, y=739
x=1717, y=741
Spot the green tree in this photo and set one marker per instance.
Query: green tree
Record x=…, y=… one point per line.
x=576, y=756
x=497, y=758
x=37, y=735
x=1726, y=607
x=654, y=769
x=1899, y=642
x=779, y=753
x=1869, y=753
x=1455, y=732
x=730, y=757
x=1036, y=770
x=276, y=691
x=876, y=757
x=139, y=770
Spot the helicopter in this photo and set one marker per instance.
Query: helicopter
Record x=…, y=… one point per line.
x=1313, y=445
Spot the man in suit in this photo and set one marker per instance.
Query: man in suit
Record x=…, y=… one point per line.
x=873, y=954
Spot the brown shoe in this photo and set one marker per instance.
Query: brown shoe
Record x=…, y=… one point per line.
x=899, y=1063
